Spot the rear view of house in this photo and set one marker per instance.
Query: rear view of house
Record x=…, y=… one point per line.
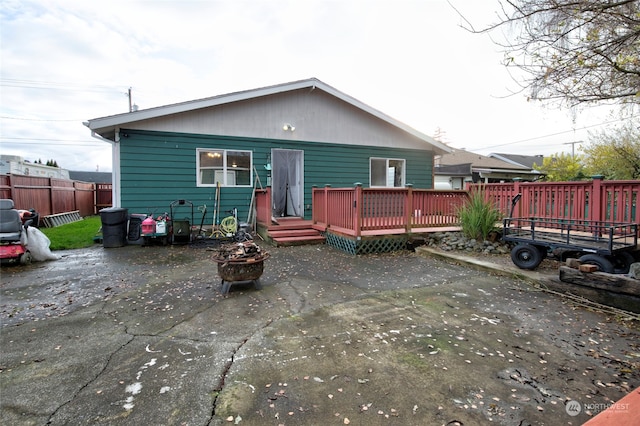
x=289, y=137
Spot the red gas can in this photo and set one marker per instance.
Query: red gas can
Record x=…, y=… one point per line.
x=148, y=226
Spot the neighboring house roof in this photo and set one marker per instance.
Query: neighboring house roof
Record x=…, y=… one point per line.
x=454, y=169
x=461, y=156
x=93, y=177
x=519, y=160
x=106, y=127
x=455, y=162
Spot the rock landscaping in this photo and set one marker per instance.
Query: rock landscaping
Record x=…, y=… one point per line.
x=450, y=241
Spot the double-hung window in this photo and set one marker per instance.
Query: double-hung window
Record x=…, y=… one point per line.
x=386, y=172
x=229, y=167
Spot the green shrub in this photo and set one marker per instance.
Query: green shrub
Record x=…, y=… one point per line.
x=478, y=216
x=74, y=235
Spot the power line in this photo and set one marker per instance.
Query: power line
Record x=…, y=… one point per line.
x=33, y=84
x=558, y=133
x=51, y=141
x=34, y=119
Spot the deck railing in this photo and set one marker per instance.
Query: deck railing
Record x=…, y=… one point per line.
x=362, y=211
x=596, y=200
x=373, y=211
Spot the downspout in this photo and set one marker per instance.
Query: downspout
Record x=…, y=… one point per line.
x=115, y=164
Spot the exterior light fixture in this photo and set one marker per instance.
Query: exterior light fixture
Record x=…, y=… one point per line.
x=288, y=126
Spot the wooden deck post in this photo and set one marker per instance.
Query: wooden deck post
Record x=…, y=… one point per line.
x=357, y=206
x=314, y=218
x=409, y=207
x=327, y=187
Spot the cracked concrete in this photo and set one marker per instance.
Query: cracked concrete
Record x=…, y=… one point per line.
x=142, y=335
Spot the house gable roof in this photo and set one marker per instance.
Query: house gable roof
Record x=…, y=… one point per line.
x=106, y=126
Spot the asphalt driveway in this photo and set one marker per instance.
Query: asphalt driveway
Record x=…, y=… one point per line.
x=142, y=335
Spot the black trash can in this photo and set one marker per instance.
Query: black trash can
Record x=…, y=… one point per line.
x=114, y=226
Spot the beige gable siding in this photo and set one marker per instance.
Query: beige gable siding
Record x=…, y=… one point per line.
x=316, y=115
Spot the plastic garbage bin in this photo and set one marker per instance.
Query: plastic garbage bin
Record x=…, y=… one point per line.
x=114, y=226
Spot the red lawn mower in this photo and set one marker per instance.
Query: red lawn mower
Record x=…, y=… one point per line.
x=13, y=225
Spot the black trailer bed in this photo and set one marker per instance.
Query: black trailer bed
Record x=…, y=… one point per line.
x=604, y=238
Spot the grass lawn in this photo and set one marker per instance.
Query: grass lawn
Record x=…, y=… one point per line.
x=74, y=235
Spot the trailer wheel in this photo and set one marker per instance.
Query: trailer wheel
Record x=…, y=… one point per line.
x=603, y=264
x=526, y=256
x=621, y=262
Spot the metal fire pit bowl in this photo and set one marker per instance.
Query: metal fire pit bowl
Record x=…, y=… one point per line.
x=241, y=271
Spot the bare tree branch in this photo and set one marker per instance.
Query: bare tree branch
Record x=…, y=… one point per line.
x=572, y=51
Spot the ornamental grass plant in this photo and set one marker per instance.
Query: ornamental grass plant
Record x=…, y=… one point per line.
x=478, y=216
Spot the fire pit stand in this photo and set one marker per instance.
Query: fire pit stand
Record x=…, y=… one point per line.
x=240, y=264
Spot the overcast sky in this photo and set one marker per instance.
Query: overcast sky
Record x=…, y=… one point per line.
x=64, y=62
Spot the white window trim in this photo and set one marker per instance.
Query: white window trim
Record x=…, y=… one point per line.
x=225, y=169
x=404, y=171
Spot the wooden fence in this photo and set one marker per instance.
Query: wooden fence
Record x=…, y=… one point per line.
x=52, y=196
x=596, y=200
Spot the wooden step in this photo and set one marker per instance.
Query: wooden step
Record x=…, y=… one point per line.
x=300, y=240
x=290, y=223
x=289, y=231
x=294, y=233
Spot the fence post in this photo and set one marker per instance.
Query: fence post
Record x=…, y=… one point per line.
x=409, y=207
x=11, y=187
x=357, y=205
x=596, y=198
x=50, y=198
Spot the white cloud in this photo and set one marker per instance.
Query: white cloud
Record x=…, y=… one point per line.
x=64, y=62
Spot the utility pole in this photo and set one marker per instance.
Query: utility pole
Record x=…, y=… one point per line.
x=130, y=103
x=573, y=146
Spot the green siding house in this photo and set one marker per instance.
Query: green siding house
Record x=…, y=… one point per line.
x=289, y=137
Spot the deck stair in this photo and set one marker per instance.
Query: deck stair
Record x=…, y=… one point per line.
x=289, y=231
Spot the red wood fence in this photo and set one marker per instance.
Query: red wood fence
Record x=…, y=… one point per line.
x=52, y=196
x=597, y=200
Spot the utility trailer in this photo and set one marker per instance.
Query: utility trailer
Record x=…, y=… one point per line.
x=610, y=246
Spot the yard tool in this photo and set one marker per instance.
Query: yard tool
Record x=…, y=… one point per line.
x=218, y=203
x=253, y=197
x=203, y=209
x=216, y=211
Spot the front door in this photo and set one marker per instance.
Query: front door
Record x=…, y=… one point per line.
x=287, y=182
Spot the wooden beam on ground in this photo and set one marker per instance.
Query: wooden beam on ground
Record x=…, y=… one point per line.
x=617, y=283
